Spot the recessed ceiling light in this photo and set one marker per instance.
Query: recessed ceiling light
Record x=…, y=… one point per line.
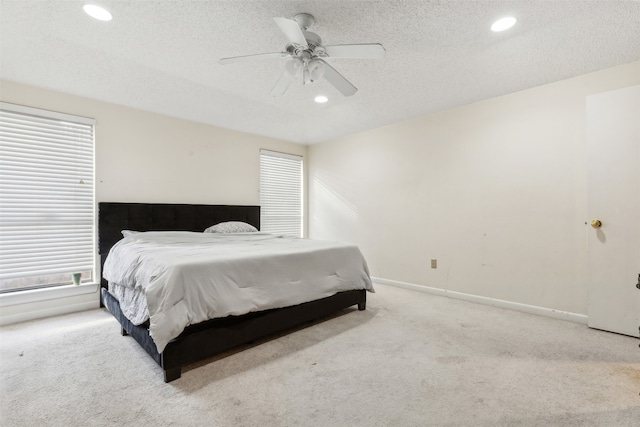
x=97, y=12
x=321, y=99
x=503, y=24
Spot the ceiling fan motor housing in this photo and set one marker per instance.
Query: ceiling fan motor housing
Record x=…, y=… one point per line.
x=315, y=46
x=313, y=40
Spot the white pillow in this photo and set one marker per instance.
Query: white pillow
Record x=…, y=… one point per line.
x=231, y=227
x=126, y=233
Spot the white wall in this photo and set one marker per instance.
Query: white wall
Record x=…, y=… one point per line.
x=147, y=157
x=495, y=191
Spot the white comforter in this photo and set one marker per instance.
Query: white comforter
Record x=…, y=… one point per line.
x=192, y=277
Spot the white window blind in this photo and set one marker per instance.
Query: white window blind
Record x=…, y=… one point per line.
x=46, y=197
x=280, y=193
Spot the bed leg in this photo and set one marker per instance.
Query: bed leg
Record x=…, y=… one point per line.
x=172, y=374
x=362, y=305
x=123, y=331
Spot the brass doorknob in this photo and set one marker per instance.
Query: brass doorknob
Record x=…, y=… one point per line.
x=596, y=223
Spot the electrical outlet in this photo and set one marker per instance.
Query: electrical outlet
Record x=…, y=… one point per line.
x=434, y=263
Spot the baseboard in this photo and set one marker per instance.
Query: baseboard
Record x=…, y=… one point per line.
x=525, y=308
x=53, y=307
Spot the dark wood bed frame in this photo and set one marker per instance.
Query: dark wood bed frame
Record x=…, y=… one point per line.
x=206, y=339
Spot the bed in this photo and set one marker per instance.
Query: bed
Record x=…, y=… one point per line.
x=209, y=337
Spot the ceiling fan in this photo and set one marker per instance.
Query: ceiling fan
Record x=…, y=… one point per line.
x=307, y=55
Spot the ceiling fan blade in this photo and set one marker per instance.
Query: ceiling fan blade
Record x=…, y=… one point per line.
x=337, y=80
x=258, y=57
x=282, y=84
x=292, y=30
x=370, y=50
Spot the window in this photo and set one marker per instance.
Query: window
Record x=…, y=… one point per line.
x=46, y=198
x=280, y=193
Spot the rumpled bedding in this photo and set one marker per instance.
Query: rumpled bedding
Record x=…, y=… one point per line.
x=187, y=278
x=133, y=302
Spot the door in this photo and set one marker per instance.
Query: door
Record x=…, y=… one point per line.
x=613, y=248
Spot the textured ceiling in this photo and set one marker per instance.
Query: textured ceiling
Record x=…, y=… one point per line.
x=162, y=56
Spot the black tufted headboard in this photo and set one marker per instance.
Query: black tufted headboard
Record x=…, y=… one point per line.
x=115, y=217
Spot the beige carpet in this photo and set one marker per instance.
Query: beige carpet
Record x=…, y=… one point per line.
x=411, y=359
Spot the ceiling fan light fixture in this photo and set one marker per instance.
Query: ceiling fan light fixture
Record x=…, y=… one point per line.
x=321, y=99
x=97, y=12
x=316, y=69
x=294, y=66
x=503, y=24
